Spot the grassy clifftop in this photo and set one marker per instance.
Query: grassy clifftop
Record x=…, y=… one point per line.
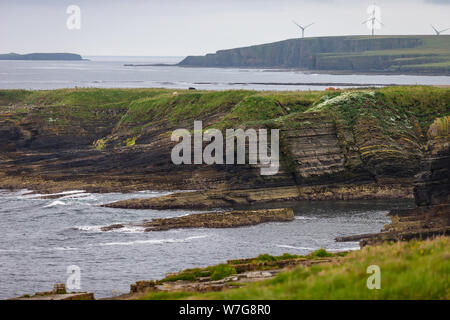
x=406, y=54
x=348, y=136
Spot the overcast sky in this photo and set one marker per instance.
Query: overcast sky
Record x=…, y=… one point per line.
x=185, y=27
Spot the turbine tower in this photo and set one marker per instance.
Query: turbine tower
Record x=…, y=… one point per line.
x=373, y=20
x=303, y=28
x=438, y=33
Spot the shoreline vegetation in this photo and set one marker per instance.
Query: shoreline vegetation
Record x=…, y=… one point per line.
x=335, y=145
x=418, y=269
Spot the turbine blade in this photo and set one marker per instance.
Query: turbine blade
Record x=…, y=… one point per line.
x=434, y=29
x=297, y=24
x=309, y=25
x=379, y=22
x=444, y=30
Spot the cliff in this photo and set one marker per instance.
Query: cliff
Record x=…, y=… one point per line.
x=431, y=217
x=391, y=54
x=334, y=145
x=41, y=56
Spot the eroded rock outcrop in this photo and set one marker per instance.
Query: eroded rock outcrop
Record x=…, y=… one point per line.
x=225, y=219
x=431, y=217
x=225, y=198
x=342, y=145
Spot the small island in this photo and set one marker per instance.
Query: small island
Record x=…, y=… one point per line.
x=42, y=56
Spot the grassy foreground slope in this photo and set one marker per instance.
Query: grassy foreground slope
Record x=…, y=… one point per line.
x=409, y=270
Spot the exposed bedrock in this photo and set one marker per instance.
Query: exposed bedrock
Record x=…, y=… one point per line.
x=339, y=146
x=246, y=197
x=431, y=217
x=225, y=219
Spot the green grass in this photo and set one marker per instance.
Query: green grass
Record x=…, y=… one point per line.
x=409, y=270
x=222, y=271
x=131, y=111
x=431, y=55
x=214, y=272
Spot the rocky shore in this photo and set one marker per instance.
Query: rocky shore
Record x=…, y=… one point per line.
x=232, y=274
x=211, y=199
x=333, y=145
x=431, y=217
x=230, y=219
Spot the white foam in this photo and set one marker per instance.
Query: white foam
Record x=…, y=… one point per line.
x=80, y=196
x=129, y=229
x=344, y=249
x=55, y=203
x=65, y=249
x=151, y=241
x=125, y=229
x=304, y=218
x=38, y=195
x=292, y=247
x=89, y=228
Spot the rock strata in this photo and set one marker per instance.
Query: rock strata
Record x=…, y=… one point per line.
x=227, y=219
x=236, y=198
x=431, y=217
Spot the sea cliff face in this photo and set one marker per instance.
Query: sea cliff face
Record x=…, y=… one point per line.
x=431, y=217
x=411, y=54
x=334, y=145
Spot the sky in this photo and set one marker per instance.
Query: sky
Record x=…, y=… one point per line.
x=197, y=27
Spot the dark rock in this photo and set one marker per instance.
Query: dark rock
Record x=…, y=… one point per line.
x=112, y=227
x=431, y=217
x=226, y=219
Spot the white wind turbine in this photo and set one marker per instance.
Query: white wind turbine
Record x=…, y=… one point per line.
x=438, y=33
x=303, y=28
x=374, y=20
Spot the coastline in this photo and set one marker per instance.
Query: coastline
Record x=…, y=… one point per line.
x=340, y=145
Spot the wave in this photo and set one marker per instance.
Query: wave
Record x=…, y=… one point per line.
x=304, y=218
x=151, y=241
x=313, y=249
x=125, y=229
x=56, y=203
x=38, y=195
x=89, y=228
x=65, y=249
x=292, y=247
x=345, y=249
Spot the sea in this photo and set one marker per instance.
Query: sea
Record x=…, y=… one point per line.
x=113, y=72
x=42, y=238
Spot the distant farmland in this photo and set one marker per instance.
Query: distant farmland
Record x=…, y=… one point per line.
x=386, y=54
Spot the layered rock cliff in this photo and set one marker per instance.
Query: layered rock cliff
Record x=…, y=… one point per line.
x=338, y=145
x=431, y=217
x=414, y=54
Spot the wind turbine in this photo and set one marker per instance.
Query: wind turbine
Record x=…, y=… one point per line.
x=303, y=27
x=438, y=33
x=373, y=19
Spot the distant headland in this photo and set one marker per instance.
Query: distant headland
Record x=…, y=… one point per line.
x=41, y=56
x=419, y=54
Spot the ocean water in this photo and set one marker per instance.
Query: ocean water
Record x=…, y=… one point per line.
x=42, y=237
x=111, y=72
